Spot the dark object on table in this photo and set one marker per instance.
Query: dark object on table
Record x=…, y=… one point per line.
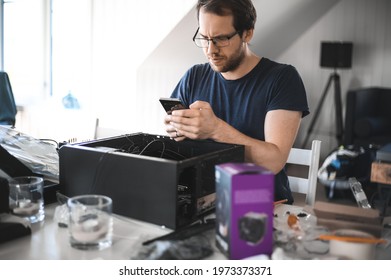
x=185, y=232
x=4, y=196
x=193, y=248
x=11, y=227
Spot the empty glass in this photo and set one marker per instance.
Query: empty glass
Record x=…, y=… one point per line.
x=90, y=222
x=26, y=198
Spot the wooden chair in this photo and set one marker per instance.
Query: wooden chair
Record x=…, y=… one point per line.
x=310, y=159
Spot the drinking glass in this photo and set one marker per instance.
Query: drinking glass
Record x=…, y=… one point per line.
x=26, y=198
x=90, y=222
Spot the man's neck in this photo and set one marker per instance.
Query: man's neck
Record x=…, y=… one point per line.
x=249, y=62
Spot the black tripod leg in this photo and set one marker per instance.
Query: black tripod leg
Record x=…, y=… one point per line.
x=338, y=109
x=316, y=113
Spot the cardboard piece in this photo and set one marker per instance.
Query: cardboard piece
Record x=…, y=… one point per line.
x=381, y=173
x=336, y=216
x=244, y=210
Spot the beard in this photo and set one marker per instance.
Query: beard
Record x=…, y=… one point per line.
x=231, y=63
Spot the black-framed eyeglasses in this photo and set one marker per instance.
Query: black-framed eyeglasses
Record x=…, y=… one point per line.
x=220, y=41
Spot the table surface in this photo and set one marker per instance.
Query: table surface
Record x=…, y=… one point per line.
x=48, y=241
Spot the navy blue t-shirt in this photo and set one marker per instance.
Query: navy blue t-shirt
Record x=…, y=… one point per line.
x=244, y=103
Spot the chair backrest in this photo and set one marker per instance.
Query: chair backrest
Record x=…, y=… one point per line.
x=7, y=101
x=309, y=158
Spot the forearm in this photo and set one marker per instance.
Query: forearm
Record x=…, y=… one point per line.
x=263, y=153
x=280, y=129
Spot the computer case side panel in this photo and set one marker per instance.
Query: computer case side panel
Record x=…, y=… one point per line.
x=141, y=187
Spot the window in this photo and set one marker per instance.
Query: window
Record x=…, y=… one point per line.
x=47, y=48
x=71, y=49
x=91, y=49
x=25, y=48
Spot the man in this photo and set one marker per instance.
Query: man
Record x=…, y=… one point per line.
x=239, y=97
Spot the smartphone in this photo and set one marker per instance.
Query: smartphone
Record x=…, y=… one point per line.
x=171, y=104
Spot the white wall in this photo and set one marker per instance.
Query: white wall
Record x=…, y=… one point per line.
x=368, y=25
x=161, y=71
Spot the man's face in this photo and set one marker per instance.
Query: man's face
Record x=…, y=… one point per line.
x=223, y=59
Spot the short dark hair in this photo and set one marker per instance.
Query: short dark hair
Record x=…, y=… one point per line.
x=243, y=11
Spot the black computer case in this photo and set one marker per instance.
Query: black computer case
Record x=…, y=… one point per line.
x=149, y=177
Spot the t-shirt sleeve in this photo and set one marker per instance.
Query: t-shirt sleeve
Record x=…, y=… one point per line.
x=183, y=88
x=289, y=91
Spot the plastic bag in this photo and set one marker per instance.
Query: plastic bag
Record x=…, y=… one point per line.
x=39, y=156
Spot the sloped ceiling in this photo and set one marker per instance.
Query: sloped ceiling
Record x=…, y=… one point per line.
x=279, y=23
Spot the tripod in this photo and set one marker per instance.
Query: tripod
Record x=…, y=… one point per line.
x=334, y=77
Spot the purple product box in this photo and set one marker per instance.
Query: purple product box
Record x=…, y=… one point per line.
x=244, y=210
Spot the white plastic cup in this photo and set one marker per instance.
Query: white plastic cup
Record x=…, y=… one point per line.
x=26, y=198
x=90, y=222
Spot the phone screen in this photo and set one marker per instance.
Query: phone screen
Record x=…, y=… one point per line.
x=171, y=104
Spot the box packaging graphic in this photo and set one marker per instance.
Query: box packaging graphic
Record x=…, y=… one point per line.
x=244, y=210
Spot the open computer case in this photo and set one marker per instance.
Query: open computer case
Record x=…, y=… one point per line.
x=149, y=177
